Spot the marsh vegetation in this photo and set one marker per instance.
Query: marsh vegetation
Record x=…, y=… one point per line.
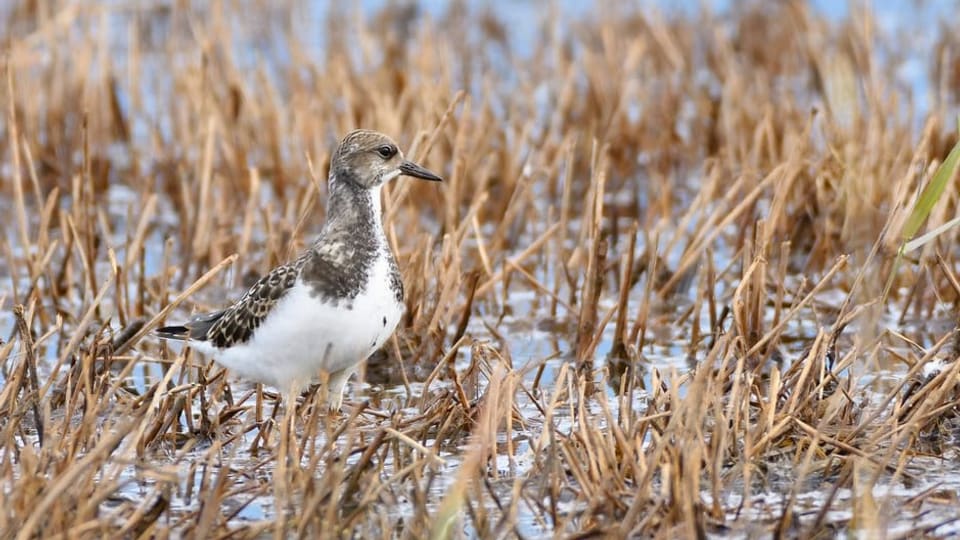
x=657, y=295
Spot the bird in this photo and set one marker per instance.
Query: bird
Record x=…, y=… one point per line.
x=334, y=305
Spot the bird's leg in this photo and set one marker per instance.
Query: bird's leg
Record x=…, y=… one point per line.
x=291, y=414
x=335, y=387
x=288, y=458
x=288, y=430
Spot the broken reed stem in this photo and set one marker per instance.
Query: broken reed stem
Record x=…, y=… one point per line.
x=30, y=366
x=596, y=265
x=619, y=347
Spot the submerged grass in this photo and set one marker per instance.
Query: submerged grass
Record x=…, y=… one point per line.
x=649, y=299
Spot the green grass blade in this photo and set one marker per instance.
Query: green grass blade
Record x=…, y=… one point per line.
x=921, y=211
x=932, y=193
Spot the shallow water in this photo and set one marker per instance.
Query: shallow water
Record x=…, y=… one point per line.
x=534, y=336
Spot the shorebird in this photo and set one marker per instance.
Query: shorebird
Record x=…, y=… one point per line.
x=335, y=304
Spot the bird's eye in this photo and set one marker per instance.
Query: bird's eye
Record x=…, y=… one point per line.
x=387, y=151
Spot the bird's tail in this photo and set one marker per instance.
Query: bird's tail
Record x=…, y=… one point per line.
x=178, y=332
x=195, y=329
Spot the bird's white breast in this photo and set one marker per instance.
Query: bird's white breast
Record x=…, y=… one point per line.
x=303, y=335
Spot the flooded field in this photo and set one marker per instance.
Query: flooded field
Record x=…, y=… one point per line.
x=663, y=291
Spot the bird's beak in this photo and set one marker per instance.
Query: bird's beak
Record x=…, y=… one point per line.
x=410, y=168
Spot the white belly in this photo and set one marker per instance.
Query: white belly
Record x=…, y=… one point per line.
x=303, y=337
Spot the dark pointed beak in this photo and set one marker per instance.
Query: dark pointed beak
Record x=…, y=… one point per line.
x=410, y=168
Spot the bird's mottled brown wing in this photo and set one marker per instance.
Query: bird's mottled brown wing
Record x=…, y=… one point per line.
x=237, y=323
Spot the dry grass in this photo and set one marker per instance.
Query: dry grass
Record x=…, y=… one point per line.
x=716, y=202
